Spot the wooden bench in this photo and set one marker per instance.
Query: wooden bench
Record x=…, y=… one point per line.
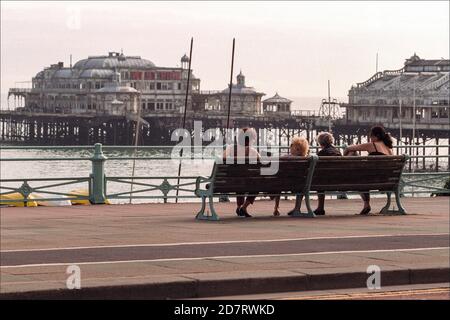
x=293, y=177
x=361, y=174
x=300, y=176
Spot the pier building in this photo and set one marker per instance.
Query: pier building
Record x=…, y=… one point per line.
x=245, y=100
x=415, y=95
x=78, y=88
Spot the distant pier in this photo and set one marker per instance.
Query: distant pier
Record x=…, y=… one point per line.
x=86, y=129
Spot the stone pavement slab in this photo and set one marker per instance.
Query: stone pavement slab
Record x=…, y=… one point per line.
x=151, y=224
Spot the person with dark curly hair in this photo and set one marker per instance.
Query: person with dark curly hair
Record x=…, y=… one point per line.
x=380, y=144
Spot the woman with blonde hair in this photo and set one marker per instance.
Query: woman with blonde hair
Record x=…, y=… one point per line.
x=299, y=148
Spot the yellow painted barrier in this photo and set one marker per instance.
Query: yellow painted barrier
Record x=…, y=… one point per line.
x=17, y=196
x=85, y=193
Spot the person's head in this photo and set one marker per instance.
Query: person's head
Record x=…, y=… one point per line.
x=325, y=139
x=299, y=147
x=377, y=133
x=246, y=136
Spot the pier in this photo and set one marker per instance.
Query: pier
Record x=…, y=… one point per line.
x=87, y=129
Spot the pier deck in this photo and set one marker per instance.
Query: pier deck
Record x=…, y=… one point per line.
x=160, y=251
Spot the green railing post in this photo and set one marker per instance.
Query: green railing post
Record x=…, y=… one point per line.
x=97, y=192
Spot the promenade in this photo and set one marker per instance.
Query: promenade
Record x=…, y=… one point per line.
x=161, y=251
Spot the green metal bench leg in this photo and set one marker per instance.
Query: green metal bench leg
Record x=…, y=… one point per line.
x=309, y=214
x=308, y=207
x=385, y=209
x=201, y=214
x=400, y=209
x=202, y=209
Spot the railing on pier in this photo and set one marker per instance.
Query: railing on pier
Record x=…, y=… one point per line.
x=305, y=113
x=19, y=90
x=98, y=184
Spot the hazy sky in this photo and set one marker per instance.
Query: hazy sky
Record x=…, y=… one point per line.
x=289, y=47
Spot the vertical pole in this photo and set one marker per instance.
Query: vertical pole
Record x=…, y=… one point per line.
x=414, y=118
x=424, y=140
x=400, y=109
x=136, y=142
x=437, y=154
x=231, y=86
x=97, y=188
x=184, y=114
x=376, y=65
x=329, y=107
x=448, y=153
x=416, y=147
x=410, y=153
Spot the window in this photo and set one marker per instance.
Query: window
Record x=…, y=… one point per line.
x=395, y=113
x=159, y=105
x=179, y=85
x=434, y=114
x=158, y=86
x=150, y=106
x=136, y=75
x=148, y=75
x=152, y=86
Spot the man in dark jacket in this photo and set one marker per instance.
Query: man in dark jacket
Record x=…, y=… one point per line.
x=327, y=149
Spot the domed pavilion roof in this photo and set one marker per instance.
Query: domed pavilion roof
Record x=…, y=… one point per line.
x=114, y=60
x=277, y=99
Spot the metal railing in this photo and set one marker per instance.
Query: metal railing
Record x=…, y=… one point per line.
x=98, y=184
x=305, y=113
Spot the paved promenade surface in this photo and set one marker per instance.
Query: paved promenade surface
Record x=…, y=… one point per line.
x=160, y=251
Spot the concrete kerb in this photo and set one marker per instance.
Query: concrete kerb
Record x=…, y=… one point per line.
x=193, y=288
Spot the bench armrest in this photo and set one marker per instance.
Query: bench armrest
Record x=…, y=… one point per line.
x=201, y=179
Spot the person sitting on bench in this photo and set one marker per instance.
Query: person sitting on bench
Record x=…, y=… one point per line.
x=299, y=148
x=327, y=149
x=245, y=139
x=380, y=145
